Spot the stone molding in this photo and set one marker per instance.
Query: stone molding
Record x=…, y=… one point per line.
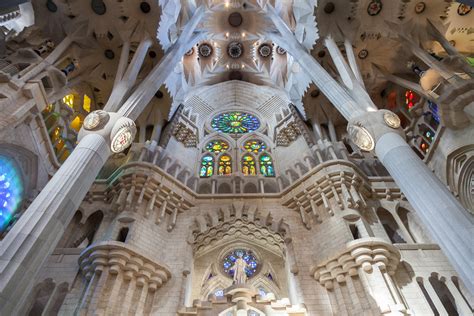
x=238, y=229
x=360, y=253
x=121, y=258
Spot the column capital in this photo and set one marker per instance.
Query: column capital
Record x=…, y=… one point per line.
x=118, y=131
x=366, y=130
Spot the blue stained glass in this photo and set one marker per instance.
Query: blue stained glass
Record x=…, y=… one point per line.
x=235, y=123
x=434, y=110
x=11, y=191
x=249, y=258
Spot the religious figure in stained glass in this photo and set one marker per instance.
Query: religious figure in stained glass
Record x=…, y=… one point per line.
x=255, y=146
x=217, y=146
x=235, y=123
x=11, y=191
x=225, y=165
x=266, y=165
x=248, y=165
x=240, y=264
x=207, y=166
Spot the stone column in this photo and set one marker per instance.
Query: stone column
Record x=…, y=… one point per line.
x=446, y=219
x=429, y=197
x=38, y=231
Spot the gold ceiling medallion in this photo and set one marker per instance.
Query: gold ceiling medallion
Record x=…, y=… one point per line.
x=361, y=137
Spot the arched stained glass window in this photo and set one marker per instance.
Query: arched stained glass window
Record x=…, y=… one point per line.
x=248, y=165
x=11, y=191
x=235, y=123
x=255, y=146
x=207, y=166
x=249, y=258
x=266, y=165
x=225, y=165
x=217, y=146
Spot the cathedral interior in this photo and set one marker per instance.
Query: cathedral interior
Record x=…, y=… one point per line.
x=236, y=157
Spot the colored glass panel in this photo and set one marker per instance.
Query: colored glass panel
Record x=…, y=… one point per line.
x=248, y=166
x=217, y=146
x=11, y=191
x=247, y=255
x=225, y=165
x=411, y=99
x=235, y=123
x=255, y=146
x=69, y=100
x=266, y=166
x=87, y=103
x=207, y=166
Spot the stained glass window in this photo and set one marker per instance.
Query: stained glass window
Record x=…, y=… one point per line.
x=207, y=166
x=411, y=99
x=225, y=165
x=217, y=146
x=235, y=123
x=248, y=257
x=248, y=165
x=255, y=146
x=266, y=166
x=219, y=293
x=11, y=191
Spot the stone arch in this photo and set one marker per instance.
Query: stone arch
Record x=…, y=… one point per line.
x=42, y=293
x=390, y=226
x=250, y=188
x=205, y=188
x=82, y=230
x=224, y=188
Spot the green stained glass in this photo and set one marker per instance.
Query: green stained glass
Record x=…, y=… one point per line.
x=255, y=146
x=217, y=146
x=266, y=166
x=207, y=166
x=235, y=123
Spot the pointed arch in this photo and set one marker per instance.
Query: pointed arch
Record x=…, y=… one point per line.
x=225, y=165
x=207, y=166
x=248, y=165
x=266, y=165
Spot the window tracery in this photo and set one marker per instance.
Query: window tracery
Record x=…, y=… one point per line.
x=266, y=165
x=225, y=165
x=207, y=166
x=217, y=146
x=248, y=165
x=235, y=123
x=249, y=258
x=255, y=146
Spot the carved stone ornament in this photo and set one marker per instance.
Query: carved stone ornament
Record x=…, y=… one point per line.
x=420, y=7
x=361, y=137
x=392, y=120
x=95, y=119
x=122, y=134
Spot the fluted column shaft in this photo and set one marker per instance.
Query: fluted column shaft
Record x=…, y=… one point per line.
x=443, y=215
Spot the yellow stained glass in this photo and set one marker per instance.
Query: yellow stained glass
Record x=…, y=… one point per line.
x=76, y=123
x=225, y=165
x=69, y=100
x=87, y=103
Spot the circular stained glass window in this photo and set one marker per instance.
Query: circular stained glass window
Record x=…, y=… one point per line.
x=11, y=191
x=255, y=146
x=235, y=123
x=249, y=258
x=217, y=146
